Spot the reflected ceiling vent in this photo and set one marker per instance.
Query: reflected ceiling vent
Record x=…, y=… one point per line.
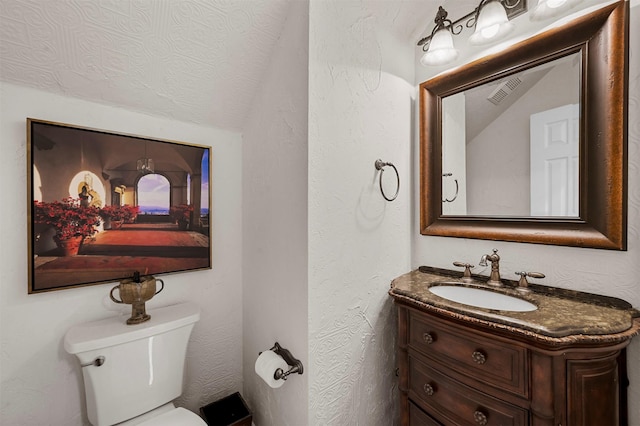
x=503, y=90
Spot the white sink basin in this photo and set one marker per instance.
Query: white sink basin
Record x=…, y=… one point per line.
x=481, y=298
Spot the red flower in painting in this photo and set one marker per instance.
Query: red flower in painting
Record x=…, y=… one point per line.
x=181, y=212
x=67, y=217
x=126, y=212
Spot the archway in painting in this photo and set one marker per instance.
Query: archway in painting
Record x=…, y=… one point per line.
x=153, y=193
x=88, y=187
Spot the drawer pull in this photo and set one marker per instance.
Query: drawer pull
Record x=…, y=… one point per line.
x=428, y=338
x=479, y=357
x=480, y=418
x=428, y=389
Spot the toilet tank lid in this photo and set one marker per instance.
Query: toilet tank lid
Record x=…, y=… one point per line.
x=115, y=331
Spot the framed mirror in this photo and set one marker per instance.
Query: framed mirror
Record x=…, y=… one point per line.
x=530, y=144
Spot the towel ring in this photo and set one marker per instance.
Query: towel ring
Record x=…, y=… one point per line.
x=445, y=199
x=380, y=166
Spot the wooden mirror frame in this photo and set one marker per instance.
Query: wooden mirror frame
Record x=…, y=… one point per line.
x=602, y=38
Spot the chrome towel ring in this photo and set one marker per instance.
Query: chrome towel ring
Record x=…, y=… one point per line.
x=380, y=165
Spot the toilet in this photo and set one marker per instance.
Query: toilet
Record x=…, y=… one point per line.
x=132, y=373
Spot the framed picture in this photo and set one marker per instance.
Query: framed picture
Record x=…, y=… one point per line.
x=103, y=205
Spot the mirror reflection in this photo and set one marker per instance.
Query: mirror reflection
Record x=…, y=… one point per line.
x=510, y=147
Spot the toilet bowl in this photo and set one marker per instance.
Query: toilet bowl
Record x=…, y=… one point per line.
x=132, y=373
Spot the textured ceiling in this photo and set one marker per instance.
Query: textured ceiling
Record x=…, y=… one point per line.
x=196, y=60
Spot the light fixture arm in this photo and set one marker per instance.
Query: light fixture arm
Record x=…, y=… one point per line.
x=441, y=21
x=510, y=4
x=469, y=20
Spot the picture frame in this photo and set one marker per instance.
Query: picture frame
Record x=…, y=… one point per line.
x=103, y=205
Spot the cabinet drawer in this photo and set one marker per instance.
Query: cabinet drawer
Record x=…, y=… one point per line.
x=417, y=417
x=487, y=359
x=454, y=403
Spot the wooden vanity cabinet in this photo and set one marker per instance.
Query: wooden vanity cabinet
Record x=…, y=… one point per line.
x=456, y=372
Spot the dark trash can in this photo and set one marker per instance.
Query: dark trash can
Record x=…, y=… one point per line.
x=228, y=411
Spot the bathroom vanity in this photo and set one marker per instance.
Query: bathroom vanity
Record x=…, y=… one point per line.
x=560, y=364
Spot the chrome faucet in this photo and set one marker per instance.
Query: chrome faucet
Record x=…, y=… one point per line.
x=494, y=278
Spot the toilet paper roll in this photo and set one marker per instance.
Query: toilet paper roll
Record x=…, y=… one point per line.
x=267, y=364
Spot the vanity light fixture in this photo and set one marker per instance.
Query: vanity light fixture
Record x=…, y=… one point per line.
x=490, y=20
x=548, y=8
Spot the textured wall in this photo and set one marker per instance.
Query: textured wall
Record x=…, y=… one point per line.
x=177, y=59
x=360, y=109
x=605, y=272
x=274, y=229
x=41, y=383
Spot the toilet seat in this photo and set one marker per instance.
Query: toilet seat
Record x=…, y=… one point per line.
x=178, y=416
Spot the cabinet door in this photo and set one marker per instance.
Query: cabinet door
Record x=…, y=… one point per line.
x=593, y=392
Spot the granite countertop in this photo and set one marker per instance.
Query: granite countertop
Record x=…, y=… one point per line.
x=563, y=316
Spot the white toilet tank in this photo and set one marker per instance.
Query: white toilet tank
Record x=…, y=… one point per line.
x=143, y=364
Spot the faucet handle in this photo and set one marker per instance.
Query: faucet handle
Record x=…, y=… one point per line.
x=523, y=284
x=466, y=276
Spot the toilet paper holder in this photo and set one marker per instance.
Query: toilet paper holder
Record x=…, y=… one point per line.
x=295, y=366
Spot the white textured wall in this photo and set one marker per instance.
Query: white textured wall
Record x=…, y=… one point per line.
x=360, y=109
x=274, y=218
x=41, y=383
x=605, y=272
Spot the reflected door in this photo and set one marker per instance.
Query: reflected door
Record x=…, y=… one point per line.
x=554, y=161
